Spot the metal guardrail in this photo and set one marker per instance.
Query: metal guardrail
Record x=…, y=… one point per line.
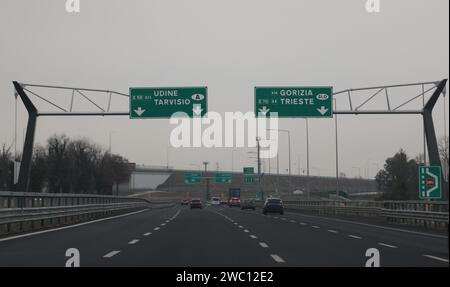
x=26, y=211
x=430, y=214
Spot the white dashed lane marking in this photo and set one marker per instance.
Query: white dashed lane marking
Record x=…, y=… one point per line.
x=332, y=231
x=111, y=254
x=156, y=228
x=387, y=245
x=133, y=241
x=316, y=227
x=253, y=236
x=355, y=237
x=277, y=258
x=436, y=258
x=263, y=245
x=147, y=234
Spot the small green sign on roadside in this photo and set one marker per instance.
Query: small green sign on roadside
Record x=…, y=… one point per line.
x=430, y=182
x=193, y=177
x=223, y=177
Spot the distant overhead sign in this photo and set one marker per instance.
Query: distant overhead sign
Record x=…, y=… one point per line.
x=223, y=177
x=193, y=177
x=164, y=102
x=430, y=186
x=248, y=175
x=294, y=102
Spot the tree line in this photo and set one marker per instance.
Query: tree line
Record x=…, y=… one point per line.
x=65, y=165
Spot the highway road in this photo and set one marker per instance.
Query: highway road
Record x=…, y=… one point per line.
x=222, y=236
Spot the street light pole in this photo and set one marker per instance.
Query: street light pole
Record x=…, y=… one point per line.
x=110, y=141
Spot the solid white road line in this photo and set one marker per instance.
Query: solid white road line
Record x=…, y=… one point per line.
x=332, y=231
x=253, y=236
x=147, y=234
x=70, y=226
x=111, y=254
x=437, y=258
x=355, y=237
x=387, y=245
x=277, y=258
x=263, y=245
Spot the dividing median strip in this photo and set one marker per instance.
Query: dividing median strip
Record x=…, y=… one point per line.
x=277, y=258
x=111, y=254
x=437, y=258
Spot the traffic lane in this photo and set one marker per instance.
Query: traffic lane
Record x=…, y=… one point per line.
x=93, y=240
x=426, y=244
x=314, y=245
x=196, y=238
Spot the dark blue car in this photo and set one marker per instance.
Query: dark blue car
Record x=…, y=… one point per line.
x=273, y=205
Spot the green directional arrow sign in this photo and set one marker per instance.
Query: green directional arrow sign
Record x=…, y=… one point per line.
x=164, y=102
x=223, y=177
x=193, y=177
x=248, y=175
x=430, y=182
x=294, y=102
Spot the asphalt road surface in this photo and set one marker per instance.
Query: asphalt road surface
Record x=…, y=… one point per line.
x=223, y=236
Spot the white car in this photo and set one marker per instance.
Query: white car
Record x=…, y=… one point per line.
x=215, y=201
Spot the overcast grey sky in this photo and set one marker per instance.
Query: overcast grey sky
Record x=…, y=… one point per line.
x=229, y=46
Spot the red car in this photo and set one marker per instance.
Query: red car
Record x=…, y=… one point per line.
x=234, y=201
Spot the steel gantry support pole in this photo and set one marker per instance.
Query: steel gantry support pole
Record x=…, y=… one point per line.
x=433, y=149
x=23, y=184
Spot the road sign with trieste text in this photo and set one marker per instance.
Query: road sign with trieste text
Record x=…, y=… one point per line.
x=294, y=102
x=430, y=182
x=147, y=103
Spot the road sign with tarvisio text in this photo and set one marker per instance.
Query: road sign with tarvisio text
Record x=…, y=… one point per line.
x=430, y=182
x=294, y=102
x=147, y=103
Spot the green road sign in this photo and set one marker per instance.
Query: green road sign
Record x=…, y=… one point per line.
x=223, y=177
x=248, y=175
x=430, y=182
x=294, y=102
x=164, y=102
x=249, y=170
x=193, y=177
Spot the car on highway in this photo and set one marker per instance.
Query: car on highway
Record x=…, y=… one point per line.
x=185, y=202
x=273, y=205
x=247, y=204
x=223, y=202
x=196, y=203
x=234, y=202
x=215, y=201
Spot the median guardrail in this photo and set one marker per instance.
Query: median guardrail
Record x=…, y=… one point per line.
x=432, y=214
x=20, y=212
